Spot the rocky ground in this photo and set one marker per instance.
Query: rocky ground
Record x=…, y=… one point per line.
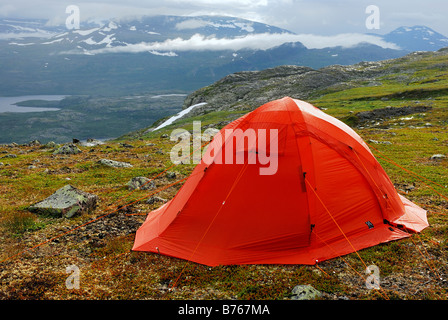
x=38, y=248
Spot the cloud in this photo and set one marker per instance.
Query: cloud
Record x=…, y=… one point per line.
x=346, y=40
x=22, y=35
x=262, y=41
x=326, y=17
x=192, y=24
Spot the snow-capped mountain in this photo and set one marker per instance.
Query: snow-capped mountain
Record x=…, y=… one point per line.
x=417, y=38
x=154, y=29
x=169, y=53
x=94, y=36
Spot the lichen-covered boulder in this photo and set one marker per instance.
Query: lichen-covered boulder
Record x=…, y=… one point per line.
x=140, y=183
x=305, y=292
x=68, y=148
x=66, y=202
x=114, y=164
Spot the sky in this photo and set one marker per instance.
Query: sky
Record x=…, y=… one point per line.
x=319, y=17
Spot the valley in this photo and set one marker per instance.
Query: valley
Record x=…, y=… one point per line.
x=86, y=117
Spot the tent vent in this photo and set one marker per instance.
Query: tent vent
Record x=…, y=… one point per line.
x=369, y=224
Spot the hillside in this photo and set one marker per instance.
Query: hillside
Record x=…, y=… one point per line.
x=398, y=106
x=247, y=90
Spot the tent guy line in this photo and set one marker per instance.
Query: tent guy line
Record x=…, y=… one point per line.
x=115, y=207
x=89, y=222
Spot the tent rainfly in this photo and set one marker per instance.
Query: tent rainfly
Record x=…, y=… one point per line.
x=327, y=195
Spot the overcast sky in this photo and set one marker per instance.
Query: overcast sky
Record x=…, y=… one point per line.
x=323, y=17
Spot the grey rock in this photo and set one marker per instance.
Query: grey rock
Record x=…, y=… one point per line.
x=115, y=164
x=66, y=202
x=33, y=143
x=141, y=183
x=50, y=144
x=155, y=199
x=305, y=292
x=10, y=156
x=438, y=157
x=380, y=142
x=68, y=148
x=390, y=112
x=171, y=175
x=91, y=143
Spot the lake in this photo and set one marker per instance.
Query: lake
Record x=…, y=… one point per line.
x=8, y=104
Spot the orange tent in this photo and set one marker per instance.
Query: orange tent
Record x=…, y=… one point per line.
x=328, y=196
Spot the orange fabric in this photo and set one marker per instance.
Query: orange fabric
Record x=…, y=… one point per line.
x=230, y=214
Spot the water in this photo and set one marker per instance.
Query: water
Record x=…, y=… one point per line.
x=8, y=104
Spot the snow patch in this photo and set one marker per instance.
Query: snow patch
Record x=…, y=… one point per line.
x=199, y=23
x=86, y=32
x=191, y=24
x=168, y=95
x=54, y=41
x=61, y=35
x=107, y=40
x=90, y=41
x=112, y=25
x=179, y=115
x=21, y=44
x=245, y=26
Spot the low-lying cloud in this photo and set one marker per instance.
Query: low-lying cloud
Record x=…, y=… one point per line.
x=261, y=41
x=22, y=35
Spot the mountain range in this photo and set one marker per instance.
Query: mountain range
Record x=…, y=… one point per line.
x=174, y=53
x=125, y=75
